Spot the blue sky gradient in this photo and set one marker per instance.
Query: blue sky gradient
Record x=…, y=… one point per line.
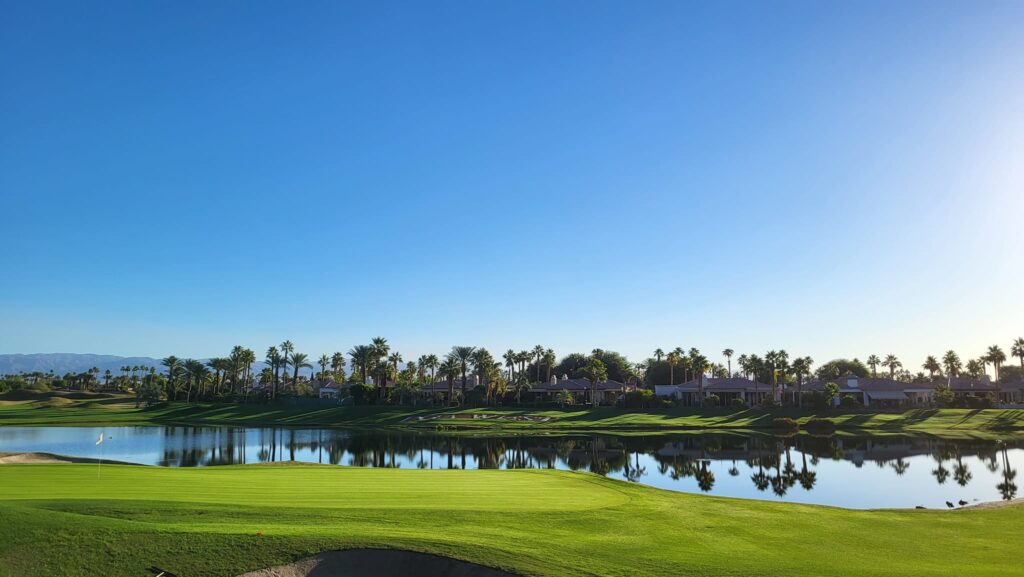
x=835, y=179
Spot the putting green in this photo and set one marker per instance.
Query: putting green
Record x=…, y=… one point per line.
x=60, y=519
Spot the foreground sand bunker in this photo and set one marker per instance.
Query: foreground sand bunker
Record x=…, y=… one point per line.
x=378, y=563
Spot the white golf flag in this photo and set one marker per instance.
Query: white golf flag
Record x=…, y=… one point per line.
x=100, y=440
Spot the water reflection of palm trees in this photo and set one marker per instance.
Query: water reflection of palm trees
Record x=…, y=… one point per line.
x=806, y=476
x=636, y=471
x=900, y=466
x=1007, y=489
x=940, y=472
x=705, y=478
x=776, y=463
x=961, y=473
x=760, y=478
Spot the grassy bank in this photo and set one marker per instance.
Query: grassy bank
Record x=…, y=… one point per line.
x=72, y=520
x=112, y=410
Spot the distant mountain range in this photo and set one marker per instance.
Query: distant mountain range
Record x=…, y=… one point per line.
x=61, y=363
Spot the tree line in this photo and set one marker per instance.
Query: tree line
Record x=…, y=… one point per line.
x=383, y=372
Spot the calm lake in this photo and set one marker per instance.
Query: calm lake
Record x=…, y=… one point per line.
x=853, y=472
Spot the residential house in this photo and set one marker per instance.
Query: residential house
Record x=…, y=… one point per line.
x=963, y=387
x=752, y=393
x=583, y=390
x=877, y=392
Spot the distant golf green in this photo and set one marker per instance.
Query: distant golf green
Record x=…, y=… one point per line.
x=79, y=519
x=48, y=409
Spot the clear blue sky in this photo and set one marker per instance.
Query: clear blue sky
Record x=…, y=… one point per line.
x=835, y=179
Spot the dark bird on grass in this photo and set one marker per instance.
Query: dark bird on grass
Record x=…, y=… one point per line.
x=962, y=502
x=950, y=504
x=920, y=507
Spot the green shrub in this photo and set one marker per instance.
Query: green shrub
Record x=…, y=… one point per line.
x=639, y=399
x=849, y=401
x=944, y=397
x=831, y=392
x=737, y=402
x=769, y=403
x=148, y=393
x=980, y=402
x=816, y=400
x=785, y=424
x=712, y=400
x=363, y=394
x=819, y=424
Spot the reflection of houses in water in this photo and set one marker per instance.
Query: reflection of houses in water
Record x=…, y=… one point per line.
x=862, y=450
x=698, y=448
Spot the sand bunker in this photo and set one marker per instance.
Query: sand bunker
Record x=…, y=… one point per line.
x=18, y=458
x=378, y=563
x=23, y=458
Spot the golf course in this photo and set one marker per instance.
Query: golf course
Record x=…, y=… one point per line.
x=90, y=519
x=28, y=408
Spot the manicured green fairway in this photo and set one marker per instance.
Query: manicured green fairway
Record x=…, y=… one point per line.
x=121, y=410
x=62, y=519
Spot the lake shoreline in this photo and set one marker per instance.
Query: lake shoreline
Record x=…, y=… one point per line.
x=83, y=410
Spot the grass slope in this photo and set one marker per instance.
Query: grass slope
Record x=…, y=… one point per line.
x=68, y=520
x=113, y=410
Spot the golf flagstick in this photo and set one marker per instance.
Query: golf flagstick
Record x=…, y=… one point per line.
x=99, y=463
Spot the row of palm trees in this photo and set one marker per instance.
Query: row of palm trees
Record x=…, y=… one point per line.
x=951, y=363
x=515, y=372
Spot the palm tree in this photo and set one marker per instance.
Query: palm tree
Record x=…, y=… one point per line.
x=273, y=360
x=975, y=368
x=299, y=361
x=394, y=359
x=381, y=349
x=931, y=364
x=1017, y=350
x=658, y=354
x=450, y=370
x=248, y=358
x=673, y=360
x=483, y=364
x=523, y=357
x=744, y=362
x=337, y=364
x=197, y=375
x=463, y=356
x=756, y=365
x=595, y=372
x=951, y=362
x=801, y=367
x=510, y=362
x=431, y=362
x=563, y=398
x=323, y=362
x=873, y=362
x=549, y=362
x=362, y=356
x=220, y=366
x=698, y=364
x=173, y=364
x=892, y=363
x=997, y=357
x=538, y=353
x=287, y=348
x=728, y=358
